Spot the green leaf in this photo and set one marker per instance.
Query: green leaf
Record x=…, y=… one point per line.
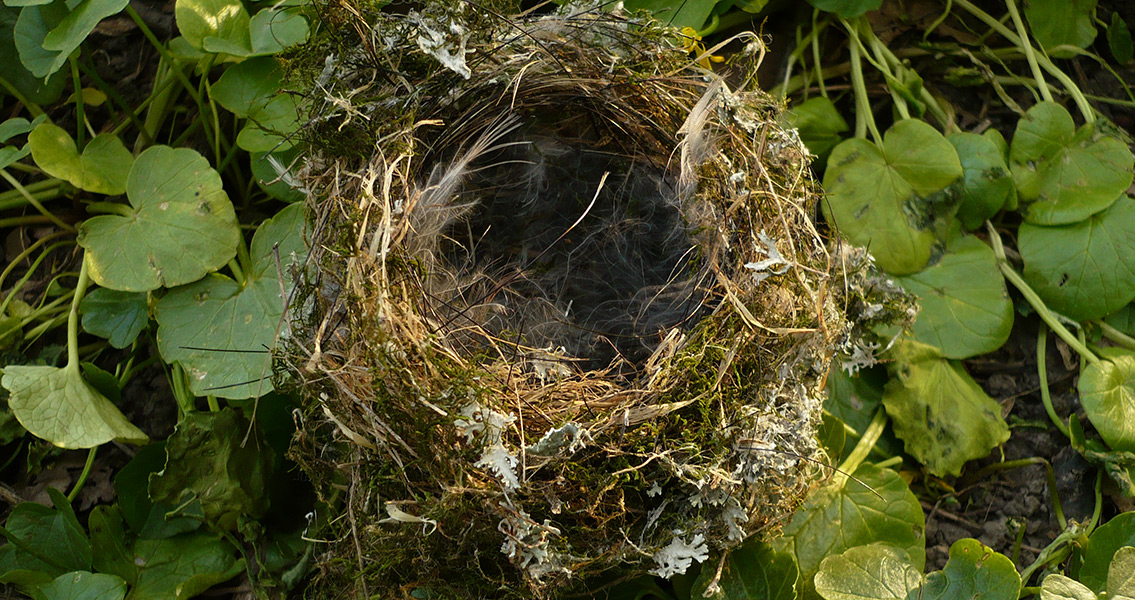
x=1083, y=270
x=35, y=89
x=1119, y=39
x=53, y=534
x=834, y=519
x=848, y=9
x=1059, y=587
x=1123, y=319
x=101, y=168
x=182, y=225
x=281, y=187
x=209, y=458
x=676, y=13
x=875, y=571
x=82, y=585
x=1107, y=392
x=214, y=25
x=819, y=123
x=58, y=406
x=942, y=415
x=252, y=89
x=753, y=571
x=1102, y=547
x=891, y=199
x=131, y=485
x=1065, y=175
x=46, y=35
x=116, y=316
x=987, y=184
x=965, y=308
x=175, y=568
x=854, y=400
x=1121, y=575
x=974, y=570
x=220, y=331
x=1061, y=22
x=273, y=30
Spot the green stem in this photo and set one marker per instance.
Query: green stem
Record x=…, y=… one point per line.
x=25, y=220
x=1033, y=299
x=73, y=317
x=180, y=390
x=48, y=189
x=881, y=63
x=861, y=450
x=130, y=112
x=19, y=259
x=1044, y=62
x=32, y=107
x=1042, y=371
x=214, y=406
x=110, y=208
x=80, y=108
x=34, y=202
x=864, y=120
x=817, y=64
x=1115, y=335
x=1098, y=508
x=1027, y=47
x=83, y=476
x=890, y=462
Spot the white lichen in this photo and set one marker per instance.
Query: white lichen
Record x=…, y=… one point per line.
x=489, y=425
x=676, y=557
x=775, y=264
x=568, y=436
x=444, y=41
x=528, y=543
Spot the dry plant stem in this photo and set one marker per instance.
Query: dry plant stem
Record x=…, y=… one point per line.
x=1034, y=300
x=1042, y=372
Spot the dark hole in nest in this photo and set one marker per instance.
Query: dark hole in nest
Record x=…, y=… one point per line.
x=585, y=255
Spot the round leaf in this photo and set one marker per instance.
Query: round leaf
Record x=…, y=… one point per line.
x=835, y=519
x=973, y=571
x=987, y=184
x=1102, y=547
x=1063, y=174
x=819, y=123
x=1107, y=391
x=1059, y=587
x=890, y=199
x=1083, y=270
x=222, y=332
x=214, y=25
x=274, y=30
x=46, y=35
x=182, y=226
x=101, y=168
x=116, y=316
x=875, y=572
x=58, y=406
x=1062, y=22
x=35, y=89
x=965, y=308
x=937, y=409
x=1121, y=575
x=83, y=585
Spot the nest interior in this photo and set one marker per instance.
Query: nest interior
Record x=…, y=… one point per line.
x=571, y=315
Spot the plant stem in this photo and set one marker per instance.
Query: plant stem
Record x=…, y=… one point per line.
x=80, y=109
x=33, y=201
x=110, y=208
x=73, y=316
x=1115, y=335
x=1042, y=371
x=39, y=190
x=83, y=476
x=864, y=120
x=1033, y=299
x=32, y=107
x=861, y=450
x=1027, y=47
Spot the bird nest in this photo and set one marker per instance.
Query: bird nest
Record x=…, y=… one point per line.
x=572, y=314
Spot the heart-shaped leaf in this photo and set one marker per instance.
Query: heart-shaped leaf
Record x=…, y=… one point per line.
x=1107, y=392
x=834, y=519
x=214, y=25
x=973, y=571
x=753, y=571
x=1065, y=175
x=182, y=225
x=892, y=199
x=251, y=89
x=1059, y=587
x=1121, y=575
x=57, y=405
x=101, y=168
x=819, y=124
x=35, y=89
x=1103, y=545
x=873, y=572
x=937, y=409
x=221, y=331
x=1062, y=22
x=11, y=128
x=987, y=184
x=965, y=308
x=46, y=35
x=1083, y=270
x=83, y=585
x=116, y=316
x=272, y=30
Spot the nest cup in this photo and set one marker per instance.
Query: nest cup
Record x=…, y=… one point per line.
x=572, y=317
